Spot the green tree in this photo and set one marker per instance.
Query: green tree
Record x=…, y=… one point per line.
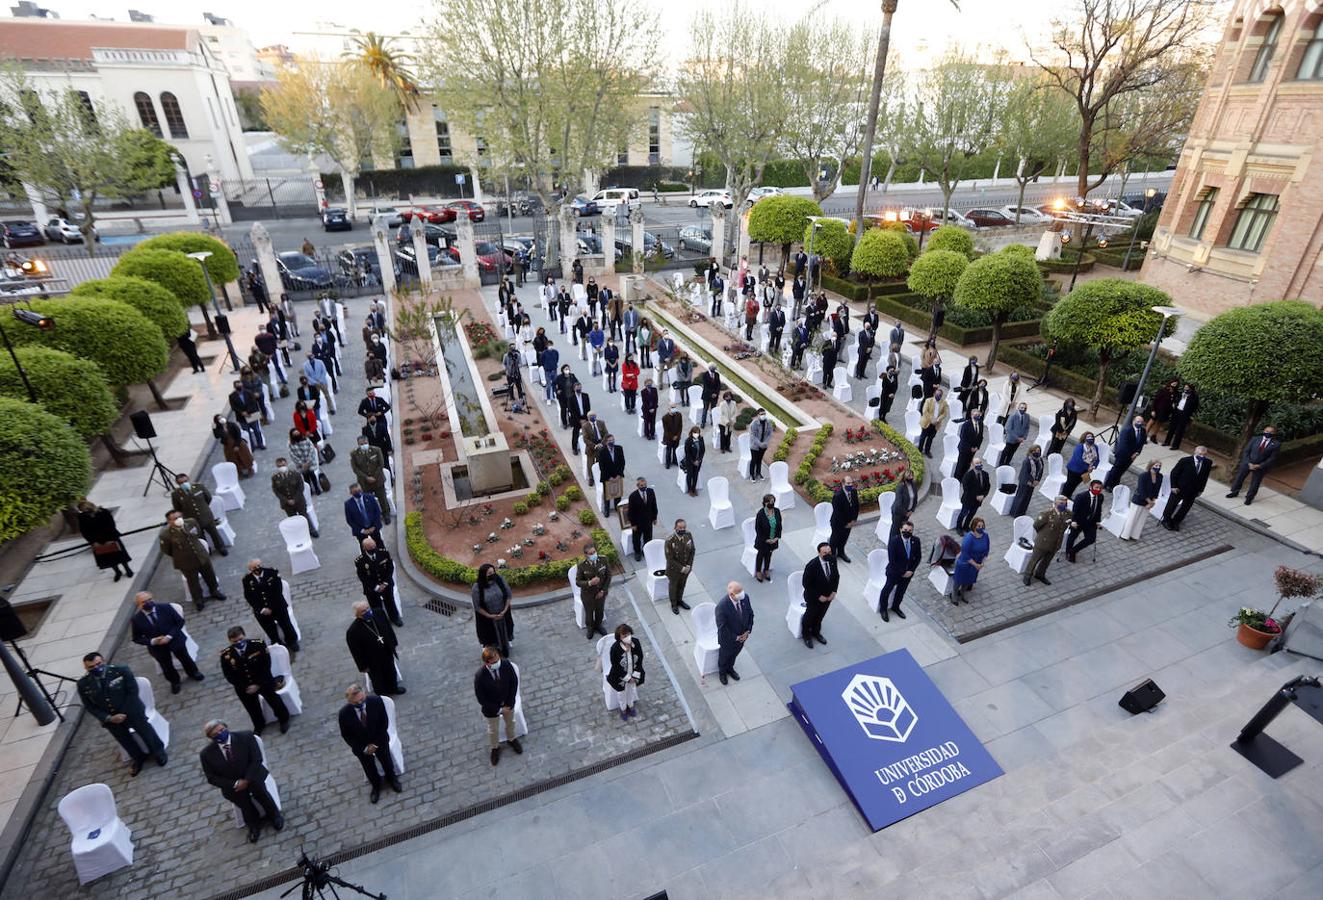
x=952, y=237
x=881, y=253
x=148, y=161
x=71, y=388
x=1263, y=354
x=935, y=274
x=147, y=297
x=831, y=241
x=997, y=284
x=44, y=466
x=222, y=265
x=389, y=65
x=173, y=271
x=781, y=219
x=1039, y=126
x=122, y=341
x=1110, y=315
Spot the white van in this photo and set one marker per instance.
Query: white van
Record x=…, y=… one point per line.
x=611, y=198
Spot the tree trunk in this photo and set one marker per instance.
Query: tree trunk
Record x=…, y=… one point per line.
x=156, y=394
x=1252, y=418
x=1019, y=202
x=996, y=340
x=874, y=101
x=785, y=252
x=206, y=317
x=891, y=171
x=116, y=452
x=1082, y=176
x=1104, y=360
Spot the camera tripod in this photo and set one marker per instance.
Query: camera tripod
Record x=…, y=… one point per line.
x=317, y=880
x=36, y=675
x=160, y=472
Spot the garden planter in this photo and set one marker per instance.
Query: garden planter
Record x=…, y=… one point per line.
x=1253, y=638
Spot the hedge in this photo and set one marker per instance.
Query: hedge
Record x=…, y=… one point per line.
x=453, y=572
x=894, y=308
x=170, y=269
x=820, y=493
x=222, y=265
x=122, y=341
x=1067, y=263
x=44, y=466
x=787, y=443
x=147, y=297
x=73, y=389
x=852, y=290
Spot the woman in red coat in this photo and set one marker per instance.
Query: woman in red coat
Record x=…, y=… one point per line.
x=305, y=422
x=629, y=381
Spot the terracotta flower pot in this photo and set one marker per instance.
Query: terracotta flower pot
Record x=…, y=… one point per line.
x=1253, y=638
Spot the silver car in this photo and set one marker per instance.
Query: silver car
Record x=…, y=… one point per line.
x=697, y=239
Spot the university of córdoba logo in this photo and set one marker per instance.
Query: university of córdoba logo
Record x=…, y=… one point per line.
x=879, y=708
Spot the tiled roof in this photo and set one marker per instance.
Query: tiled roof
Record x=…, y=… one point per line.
x=53, y=39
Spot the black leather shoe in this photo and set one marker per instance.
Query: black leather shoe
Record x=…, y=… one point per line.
x=734, y=674
x=601, y=631
x=885, y=617
x=1043, y=578
x=897, y=610
x=676, y=610
x=397, y=622
x=135, y=767
x=376, y=793
x=284, y=726
x=278, y=822
x=175, y=687
x=722, y=676
x=224, y=552
x=843, y=558
x=591, y=633
x=198, y=676
x=820, y=639
x=401, y=690
x=684, y=605
x=220, y=595
x=162, y=758
x=517, y=747
x=396, y=786
x=1026, y=579
x=808, y=642
x=1232, y=494
x=252, y=834
x=496, y=755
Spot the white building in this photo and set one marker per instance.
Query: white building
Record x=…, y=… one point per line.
x=235, y=50
x=168, y=78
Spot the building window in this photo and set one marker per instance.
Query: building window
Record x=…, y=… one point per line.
x=654, y=136
x=443, y=145
x=174, y=116
x=622, y=156
x=88, y=113
x=1311, y=64
x=1206, y=203
x=1256, y=217
x=404, y=147
x=1266, y=50
x=147, y=113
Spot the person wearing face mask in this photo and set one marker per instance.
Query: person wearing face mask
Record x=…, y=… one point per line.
x=496, y=686
x=362, y=514
x=734, y=615
x=181, y=541
x=1257, y=458
x=694, y=451
x=246, y=664
x=288, y=486
x=365, y=727
x=265, y=593
x=161, y=630
x=974, y=489
x=969, y=377
x=1062, y=425
x=725, y=419
x=931, y=420
x=679, y=552
x=969, y=440
x=888, y=384
x=844, y=516
x=109, y=692
x=1012, y=391
x=904, y=551
x=1031, y=473
x=1141, y=501
x=594, y=579
x=232, y=761
x=1082, y=463
x=625, y=674
x=1085, y=513
x=1184, y=407
x=1014, y=433
x=580, y=407
x=973, y=552
x=760, y=438
x=819, y=581
x=492, y=610
x=97, y=526
x=1189, y=477
x=906, y=502
x=611, y=468
x=193, y=501
x=372, y=644
x=682, y=376
x=1049, y=528
x=641, y=512
x=768, y=525
x=594, y=433
x=1129, y=444
x=376, y=575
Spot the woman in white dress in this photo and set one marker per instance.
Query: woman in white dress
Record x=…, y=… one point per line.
x=1142, y=500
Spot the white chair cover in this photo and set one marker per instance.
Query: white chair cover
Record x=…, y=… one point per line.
x=91, y=809
x=695, y=403
x=720, y=513
x=189, y=644
x=1054, y=477
x=1164, y=494
x=1105, y=461
x=748, y=556
x=949, y=511
x=1002, y=502
x=885, y=503
x=217, y=506
x=580, y=618
x=796, y=607
x=1115, y=519
x=781, y=489
x=1017, y=557
x=877, y=565
x=957, y=412
x=744, y=443
x=226, y=476
x=284, y=589
x=912, y=428
x=654, y=560
x=841, y=388
x=950, y=450
x=941, y=580
x=520, y=725
x=821, y=523
x=289, y=691
x=706, y=649
x=312, y=509
x=159, y=723
x=396, y=748
x=996, y=441
x=298, y=543
x=1044, y=431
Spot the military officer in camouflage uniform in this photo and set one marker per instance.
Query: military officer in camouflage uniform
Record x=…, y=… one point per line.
x=247, y=665
x=594, y=578
x=181, y=540
x=369, y=468
x=287, y=485
x=679, y=563
x=193, y=501
x=1050, y=526
x=110, y=693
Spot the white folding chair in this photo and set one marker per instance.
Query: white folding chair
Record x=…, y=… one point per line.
x=189, y=644
x=1001, y=501
x=520, y=725
x=1115, y=519
x=101, y=842
x=1054, y=479
x=841, y=388
x=313, y=524
x=996, y=441
x=289, y=690
x=886, y=502
x=950, y=451
x=871, y=393
x=781, y=489
x=284, y=589
x=298, y=543
x=661, y=448
x=720, y=512
x=579, y=614
x=796, y=606
x=706, y=648
x=217, y=506
x=226, y=476
x=744, y=443
x=941, y=580
x=877, y=576
x=1160, y=504
x=1105, y=461
x=396, y=749
x=1016, y=556
x=695, y=403
x=748, y=556
x=912, y=428
x=654, y=560
x=821, y=524
x=160, y=724
x=271, y=788
x=614, y=699
x=949, y=511
x=957, y=412
x=1045, y=423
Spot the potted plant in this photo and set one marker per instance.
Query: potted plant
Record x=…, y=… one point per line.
x=1254, y=627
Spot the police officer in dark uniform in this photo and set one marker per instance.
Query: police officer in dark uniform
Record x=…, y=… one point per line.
x=266, y=595
x=376, y=573
x=247, y=665
x=110, y=693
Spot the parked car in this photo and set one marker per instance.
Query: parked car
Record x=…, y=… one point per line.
x=697, y=239
x=300, y=272
x=759, y=193
x=21, y=234
x=58, y=229
x=1121, y=208
x=582, y=206
x=387, y=215
x=491, y=258
x=609, y=199
x=708, y=197
x=406, y=261
x=472, y=207
x=359, y=264
x=521, y=245
x=1028, y=215
x=1055, y=209
x=433, y=234
x=589, y=244
x=650, y=242
x=437, y=215
x=336, y=219
x=988, y=218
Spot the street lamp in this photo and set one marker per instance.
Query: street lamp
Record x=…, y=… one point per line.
x=222, y=322
x=36, y=320
x=1134, y=233
x=1167, y=312
x=812, y=233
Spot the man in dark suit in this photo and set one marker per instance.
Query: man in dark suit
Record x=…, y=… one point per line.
x=649, y=399
x=376, y=574
x=161, y=630
x=372, y=644
x=799, y=341
x=931, y=376
x=890, y=384
x=642, y=511
x=362, y=513
x=776, y=325
x=711, y=384
x=970, y=440
x=563, y=387
x=734, y=625
x=1189, y=477
x=580, y=405
x=820, y=580
x=496, y=685
x=1182, y=412
x=232, y=761
x=974, y=488
x=372, y=405
x=611, y=469
x=1129, y=444
x=903, y=554
x=844, y=514
x=365, y=727
x=1085, y=513
x=672, y=428
x=247, y=665
x=1258, y=457
x=110, y=694
x=865, y=350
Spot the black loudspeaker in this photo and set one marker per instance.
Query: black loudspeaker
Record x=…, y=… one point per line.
x=11, y=627
x=1127, y=392
x=1142, y=697
x=142, y=424
x=222, y=323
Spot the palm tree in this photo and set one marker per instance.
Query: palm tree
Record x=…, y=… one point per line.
x=391, y=67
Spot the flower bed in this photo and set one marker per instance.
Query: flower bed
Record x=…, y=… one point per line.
x=452, y=571
x=874, y=471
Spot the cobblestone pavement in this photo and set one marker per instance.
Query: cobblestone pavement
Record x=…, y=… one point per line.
x=186, y=842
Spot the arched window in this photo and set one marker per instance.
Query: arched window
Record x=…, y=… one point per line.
x=1266, y=50
x=174, y=116
x=88, y=112
x=1311, y=63
x=147, y=112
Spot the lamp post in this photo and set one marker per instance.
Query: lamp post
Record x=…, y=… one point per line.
x=1166, y=312
x=222, y=323
x=812, y=233
x=1134, y=234
x=37, y=320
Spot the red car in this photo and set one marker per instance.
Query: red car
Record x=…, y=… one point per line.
x=474, y=209
x=988, y=218
x=491, y=258
x=437, y=215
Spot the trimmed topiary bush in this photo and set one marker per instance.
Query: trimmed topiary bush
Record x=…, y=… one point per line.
x=998, y=284
x=935, y=274
x=832, y=241
x=71, y=388
x=122, y=341
x=223, y=265
x=587, y=517
x=781, y=219
x=952, y=237
x=521, y=509
x=562, y=503
x=170, y=269
x=1019, y=250
x=44, y=466
x=574, y=492
x=880, y=254
x=147, y=297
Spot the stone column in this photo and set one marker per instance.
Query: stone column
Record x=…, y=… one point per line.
x=185, y=193
x=477, y=184
x=385, y=262
x=318, y=188
x=218, y=192
x=591, y=181
x=718, y=214
x=468, y=253
x=351, y=201
x=569, y=245
x=742, y=250
x=421, y=259
x=609, y=244
x=636, y=240
x=266, y=261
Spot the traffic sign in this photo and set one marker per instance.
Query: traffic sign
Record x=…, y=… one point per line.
x=317, y=185
x=460, y=177
x=197, y=194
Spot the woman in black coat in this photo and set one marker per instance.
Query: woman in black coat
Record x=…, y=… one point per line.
x=1062, y=426
x=907, y=500
x=492, y=613
x=97, y=526
x=626, y=669
x=694, y=451
x=767, y=527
